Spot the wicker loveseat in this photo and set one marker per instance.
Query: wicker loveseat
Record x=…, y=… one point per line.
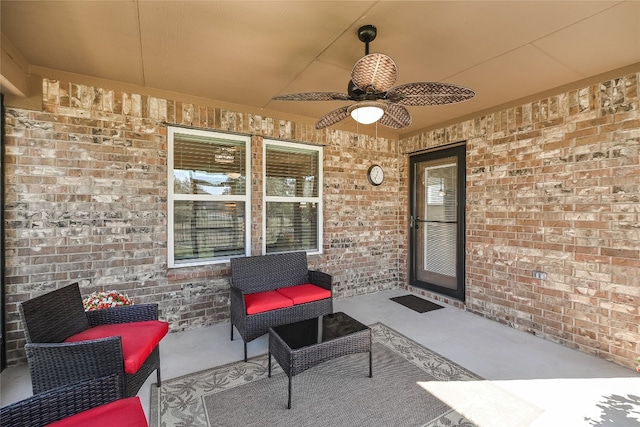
x=273, y=290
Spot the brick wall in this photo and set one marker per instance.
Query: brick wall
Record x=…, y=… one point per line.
x=86, y=194
x=554, y=185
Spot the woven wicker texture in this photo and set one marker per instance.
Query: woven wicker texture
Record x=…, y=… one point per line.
x=396, y=117
x=376, y=71
x=266, y=273
x=332, y=117
x=54, y=316
x=429, y=93
x=314, y=96
x=54, y=363
x=123, y=314
x=62, y=402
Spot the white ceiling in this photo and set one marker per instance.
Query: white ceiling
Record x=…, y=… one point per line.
x=245, y=52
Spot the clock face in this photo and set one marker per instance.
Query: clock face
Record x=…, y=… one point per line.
x=375, y=175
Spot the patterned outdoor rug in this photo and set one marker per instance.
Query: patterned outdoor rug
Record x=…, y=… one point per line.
x=335, y=393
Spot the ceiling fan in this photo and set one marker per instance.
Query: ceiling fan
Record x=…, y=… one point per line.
x=371, y=86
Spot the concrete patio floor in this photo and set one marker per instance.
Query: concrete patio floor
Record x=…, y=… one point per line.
x=552, y=385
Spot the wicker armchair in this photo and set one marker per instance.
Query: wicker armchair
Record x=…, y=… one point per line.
x=58, y=404
x=256, y=274
x=109, y=341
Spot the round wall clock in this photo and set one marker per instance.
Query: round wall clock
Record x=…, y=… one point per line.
x=375, y=174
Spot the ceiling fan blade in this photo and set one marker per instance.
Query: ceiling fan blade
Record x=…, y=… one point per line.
x=332, y=118
x=396, y=117
x=429, y=93
x=376, y=71
x=313, y=96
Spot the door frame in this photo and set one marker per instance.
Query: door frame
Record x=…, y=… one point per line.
x=457, y=150
x=3, y=284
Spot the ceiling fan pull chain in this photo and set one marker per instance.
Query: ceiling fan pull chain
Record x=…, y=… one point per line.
x=376, y=134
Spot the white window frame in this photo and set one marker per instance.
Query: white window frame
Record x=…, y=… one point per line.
x=171, y=197
x=318, y=200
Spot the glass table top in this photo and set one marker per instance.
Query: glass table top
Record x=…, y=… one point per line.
x=321, y=329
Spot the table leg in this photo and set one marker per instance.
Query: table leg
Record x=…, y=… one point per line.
x=289, y=403
x=370, y=364
x=269, y=364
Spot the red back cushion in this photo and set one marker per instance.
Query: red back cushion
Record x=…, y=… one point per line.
x=138, y=339
x=122, y=413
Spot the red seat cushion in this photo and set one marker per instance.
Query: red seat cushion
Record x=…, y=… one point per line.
x=265, y=301
x=123, y=413
x=301, y=294
x=138, y=339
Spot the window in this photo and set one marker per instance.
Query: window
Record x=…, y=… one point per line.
x=293, y=197
x=208, y=196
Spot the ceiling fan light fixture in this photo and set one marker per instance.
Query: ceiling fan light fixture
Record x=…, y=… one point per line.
x=366, y=113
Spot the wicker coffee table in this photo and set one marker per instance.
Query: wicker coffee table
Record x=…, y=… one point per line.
x=303, y=345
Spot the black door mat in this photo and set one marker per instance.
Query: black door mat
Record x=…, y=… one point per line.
x=416, y=304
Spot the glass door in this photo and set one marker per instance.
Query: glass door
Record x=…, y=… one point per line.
x=437, y=221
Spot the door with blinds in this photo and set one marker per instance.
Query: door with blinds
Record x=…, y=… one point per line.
x=437, y=221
